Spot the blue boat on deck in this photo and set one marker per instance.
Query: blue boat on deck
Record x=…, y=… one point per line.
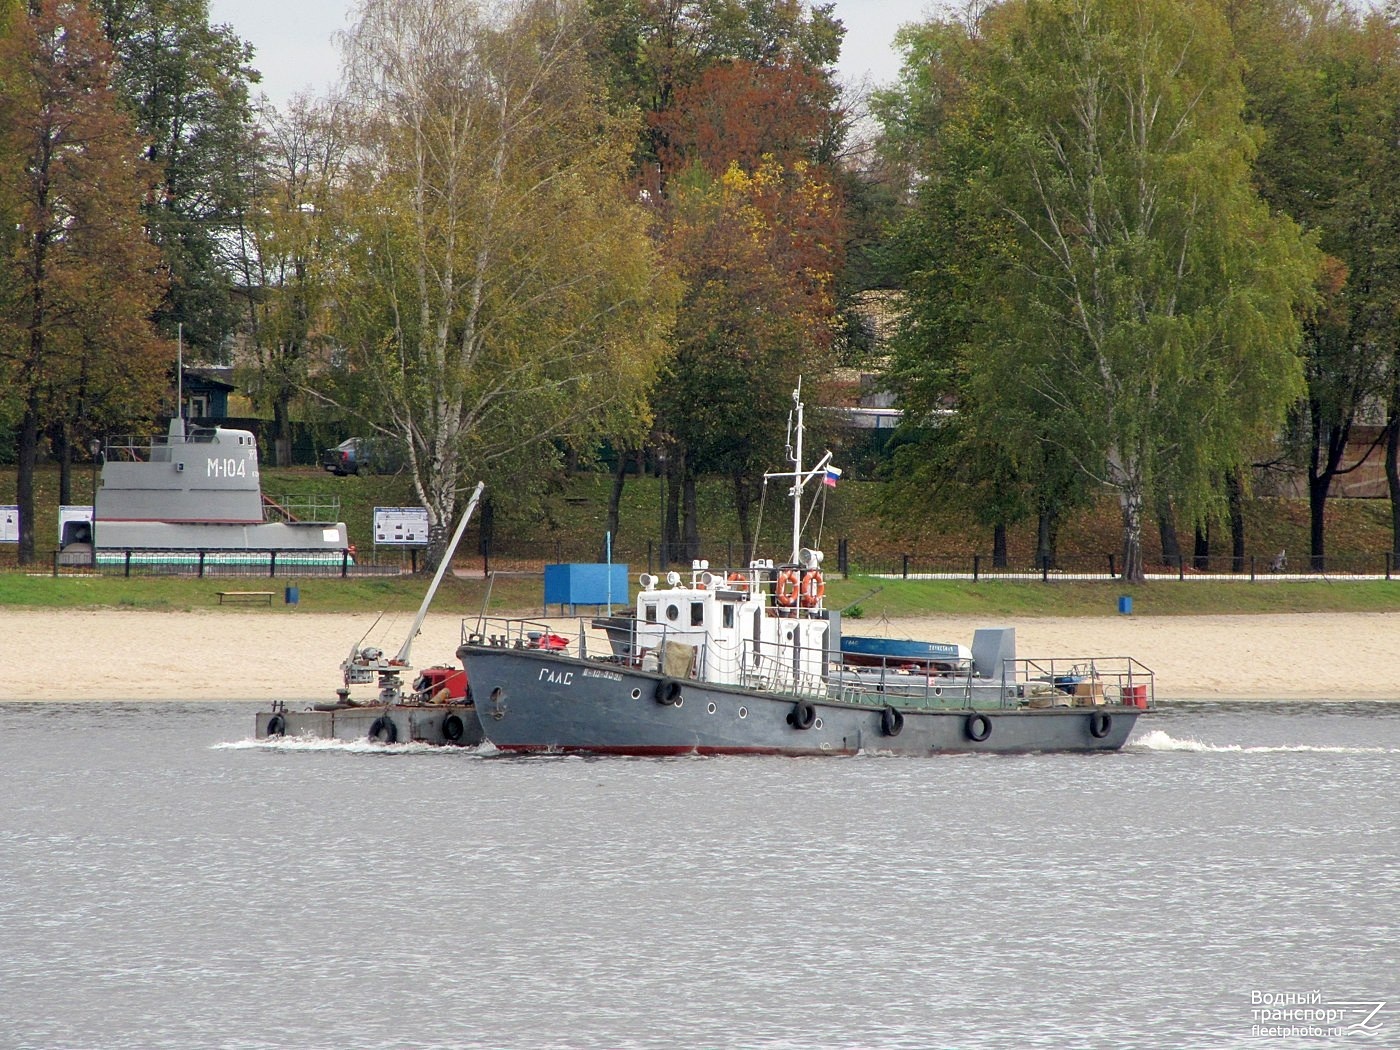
x=866, y=651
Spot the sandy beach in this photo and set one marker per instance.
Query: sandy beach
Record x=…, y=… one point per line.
x=294, y=655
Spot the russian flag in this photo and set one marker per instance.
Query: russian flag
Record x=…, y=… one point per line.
x=833, y=475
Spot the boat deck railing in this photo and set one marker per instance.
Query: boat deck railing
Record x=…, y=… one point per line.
x=1023, y=682
x=1033, y=682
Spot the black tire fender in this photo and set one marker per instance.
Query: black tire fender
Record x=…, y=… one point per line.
x=453, y=727
x=804, y=715
x=978, y=726
x=1100, y=722
x=276, y=726
x=668, y=691
x=891, y=721
x=384, y=730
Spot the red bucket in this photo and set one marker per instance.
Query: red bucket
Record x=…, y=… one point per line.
x=1135, y=696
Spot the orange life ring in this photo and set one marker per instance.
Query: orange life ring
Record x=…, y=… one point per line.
x=813, y=588
x=787, y=587
x=739, y=581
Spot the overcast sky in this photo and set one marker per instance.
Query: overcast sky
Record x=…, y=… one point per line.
x=294, y=49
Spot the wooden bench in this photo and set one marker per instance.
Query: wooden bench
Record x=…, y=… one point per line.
x=246, y=596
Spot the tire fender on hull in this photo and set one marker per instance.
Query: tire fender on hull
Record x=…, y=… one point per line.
x=384, y=730
x=891, y=721
x=453, y=727
x=803, y=715
x=978, y=727
x=1100, y=723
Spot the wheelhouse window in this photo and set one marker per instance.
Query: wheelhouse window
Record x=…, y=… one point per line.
x=697, y=614
x=649, y=611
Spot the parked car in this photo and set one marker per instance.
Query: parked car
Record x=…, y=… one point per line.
x=360, y=455
x=349, y=457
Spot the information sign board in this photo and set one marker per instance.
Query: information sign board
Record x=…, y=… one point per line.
x=401, y=526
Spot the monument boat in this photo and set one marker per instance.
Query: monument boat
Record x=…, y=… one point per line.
x=750, y=660
x=436, y=708
x=194, y=497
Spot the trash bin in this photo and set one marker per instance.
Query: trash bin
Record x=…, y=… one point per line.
x=293, y=595
x=1125, y=604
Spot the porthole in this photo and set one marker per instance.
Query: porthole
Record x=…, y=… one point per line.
x=636, y=694
x=680, y=702
x=710, y=708
x=743, y=712
x=818, y=724
x=673, y=612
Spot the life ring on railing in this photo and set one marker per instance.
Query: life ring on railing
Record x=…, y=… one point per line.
x=738, y=581
x=1100, y=722
x=813, y=588
x=978, y=727
x=384, y=730
x=787, y=588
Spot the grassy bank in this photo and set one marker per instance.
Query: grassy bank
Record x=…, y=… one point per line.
x=865, y=599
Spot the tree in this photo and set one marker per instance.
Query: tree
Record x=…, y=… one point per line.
x=502, y=290
x=187, y=83
x=291, y=255
x=79, y=277
x=1128, y=298
x=1321, y=78
x=756, y=256
x=742, y=123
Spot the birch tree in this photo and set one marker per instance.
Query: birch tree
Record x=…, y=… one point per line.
x=292, y=256
x=503, y=290
x=1128, y=297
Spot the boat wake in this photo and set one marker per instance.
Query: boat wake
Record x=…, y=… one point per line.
x=346, y=747
x=1159, y=740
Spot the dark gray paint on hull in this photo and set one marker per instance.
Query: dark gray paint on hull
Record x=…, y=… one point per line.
x=537, y=702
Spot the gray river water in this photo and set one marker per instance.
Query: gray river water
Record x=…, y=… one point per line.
x=165, y=881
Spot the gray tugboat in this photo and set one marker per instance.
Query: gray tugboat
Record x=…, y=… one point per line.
x=436, y=708
x=751, y=661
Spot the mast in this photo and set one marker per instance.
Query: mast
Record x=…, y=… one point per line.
x=798, y=475
x=798, y=482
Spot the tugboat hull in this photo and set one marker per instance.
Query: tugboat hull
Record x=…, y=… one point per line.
x=532, y=701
